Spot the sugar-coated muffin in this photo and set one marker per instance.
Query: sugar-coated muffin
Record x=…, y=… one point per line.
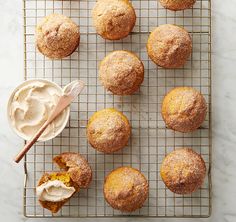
x=126, y=189
x=108, y=130
x=76, y=166
x=113, y=19
x=176, y=5
x=184, y=109
x=121, y=72
x=169, y=46
x=183, y=171
x=57, y=36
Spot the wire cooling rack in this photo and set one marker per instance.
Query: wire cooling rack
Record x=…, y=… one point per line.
x=151, y=140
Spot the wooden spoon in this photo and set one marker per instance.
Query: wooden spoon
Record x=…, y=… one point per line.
x=71, y=91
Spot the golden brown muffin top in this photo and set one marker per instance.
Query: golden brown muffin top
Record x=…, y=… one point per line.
x=57, y=36
x=121, y=72
x=184, y=109
x=108, y=130
x=183, y=171
x=125, y=189
x=54, y=207
x=169, y=46
x=113, y=19
x=176, y=5
x=76, y=166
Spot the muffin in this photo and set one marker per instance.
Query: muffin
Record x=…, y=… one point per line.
x=121, y=72
x=108, y=130
x=176, y=5
x=57, y=36
x=184, y=109
x=169, y=46
x=76, y=166
x=126, y=189
x=52, y=186
x=113, y=19
x=183, y=171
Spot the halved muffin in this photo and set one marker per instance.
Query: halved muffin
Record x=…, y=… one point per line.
x=55, y=189
x=76, y=166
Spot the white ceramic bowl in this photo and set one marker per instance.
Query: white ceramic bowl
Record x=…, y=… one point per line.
x=22, y=135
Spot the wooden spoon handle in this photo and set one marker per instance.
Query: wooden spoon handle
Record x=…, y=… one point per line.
x=73, y=89
x=30, y=143
x=63, y=102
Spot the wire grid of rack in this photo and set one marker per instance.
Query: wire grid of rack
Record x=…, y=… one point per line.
x=151, y=140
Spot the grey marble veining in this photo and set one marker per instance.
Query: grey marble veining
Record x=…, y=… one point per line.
x=224, y=109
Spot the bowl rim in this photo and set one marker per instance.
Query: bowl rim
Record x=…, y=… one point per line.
x=24, y=83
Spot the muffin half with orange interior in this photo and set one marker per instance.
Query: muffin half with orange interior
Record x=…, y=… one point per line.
x=56, y=188
x=77, y=167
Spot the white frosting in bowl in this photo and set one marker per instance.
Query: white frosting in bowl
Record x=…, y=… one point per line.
x=30, y=105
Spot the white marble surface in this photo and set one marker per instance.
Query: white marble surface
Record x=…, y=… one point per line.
x=224, y=109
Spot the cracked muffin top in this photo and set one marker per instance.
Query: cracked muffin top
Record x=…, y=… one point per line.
x=57, y=36
x=184, y=109
x=126, y=189
x=183, y=171
x=176, y=5
x=113, y=19
x=108, y=130
x=121, y=72
x=169, y=46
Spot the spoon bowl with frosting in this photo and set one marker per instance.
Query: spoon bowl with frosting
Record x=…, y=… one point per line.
x=30, y=105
